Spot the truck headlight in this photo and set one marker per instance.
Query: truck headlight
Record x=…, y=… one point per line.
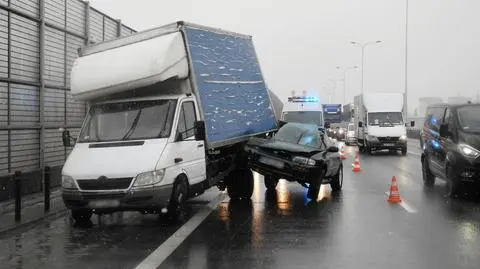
x=372, y=138
x=149, y=178
x=303, y=160
x=468, y=151
x=403, y=137
x=68, y=182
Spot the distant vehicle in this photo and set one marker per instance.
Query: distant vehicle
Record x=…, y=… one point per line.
x=164, y=125
x=451, y=148
x=297, y=152
x=380, y=123
x=350, y=138
x=332, y=113
x=340, y=133
x=304, y=109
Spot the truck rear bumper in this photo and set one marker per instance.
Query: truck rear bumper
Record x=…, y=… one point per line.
x=144, y=199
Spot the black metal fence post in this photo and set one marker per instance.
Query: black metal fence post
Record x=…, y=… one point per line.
x=17, y=179
x=46, y=189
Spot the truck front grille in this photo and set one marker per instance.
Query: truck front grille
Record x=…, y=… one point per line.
x=388, y=139
x=105, y=184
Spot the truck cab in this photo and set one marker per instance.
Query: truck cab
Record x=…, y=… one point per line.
x=300, y=109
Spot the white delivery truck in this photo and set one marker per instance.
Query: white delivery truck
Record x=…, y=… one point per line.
x=303, y=109
x=379, y=121
x=170, y=110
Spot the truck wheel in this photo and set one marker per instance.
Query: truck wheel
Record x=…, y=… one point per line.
x=176, y=206
x=428, y=177
x=337, y=181
x=81, y=215
x=240, y=184
x=404, y=151
x=270, y=182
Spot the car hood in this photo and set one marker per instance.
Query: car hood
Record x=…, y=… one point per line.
x=88, y=162
x=381, y=131
x=472, y=139
x=273, y=145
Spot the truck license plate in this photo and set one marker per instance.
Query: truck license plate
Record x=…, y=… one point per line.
x=104, y=203
x=272, y=162
x=389, y=144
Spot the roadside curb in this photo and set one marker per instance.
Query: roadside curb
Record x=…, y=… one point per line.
x=32, y=223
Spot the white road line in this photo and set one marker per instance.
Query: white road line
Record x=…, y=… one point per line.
x=155, y=259
x=414, y=153
x=404, y=205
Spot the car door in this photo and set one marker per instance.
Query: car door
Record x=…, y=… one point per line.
x=190, y=153
x=332, y=159
x=447, y=141
x=435, y=146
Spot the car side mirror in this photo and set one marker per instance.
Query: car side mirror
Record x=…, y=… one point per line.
x=412, y=123
x=199, y=130
x=444, y=130
x=66, y=138
x=333, y=149
x=360, y=124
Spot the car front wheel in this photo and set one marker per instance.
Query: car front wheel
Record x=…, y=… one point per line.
x=337, y=181
x=270, y=182
x=428, y=177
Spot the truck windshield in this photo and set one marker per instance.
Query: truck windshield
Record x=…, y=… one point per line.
x=468, y=117
x=385, y=118
x=128, y=121
x=309, y=117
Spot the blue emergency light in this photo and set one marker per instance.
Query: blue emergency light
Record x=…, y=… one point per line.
x=303, y=99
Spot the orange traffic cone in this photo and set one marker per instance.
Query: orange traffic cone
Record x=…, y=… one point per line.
x=394, y=195
x=342, y=153
x=356, y=164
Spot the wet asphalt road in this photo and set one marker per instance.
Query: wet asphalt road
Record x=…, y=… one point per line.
x=356, y=228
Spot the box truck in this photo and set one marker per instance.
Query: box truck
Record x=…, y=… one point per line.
x=379, y=121
x=170, y=110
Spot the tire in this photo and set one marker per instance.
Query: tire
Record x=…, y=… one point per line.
x=313, y=191
x=176, y=206
x=404, y=151
x=454, y=186
x=240, y=184
x=337, y=181
x=428, y=177
x=80, y=215
x=270, y=182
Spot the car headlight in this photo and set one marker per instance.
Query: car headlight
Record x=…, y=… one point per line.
x=403, y=137
x=303, y=160
x=468, y=151
x=68, y=182
x=372, y=138
x=341, y=131
x=149, y=178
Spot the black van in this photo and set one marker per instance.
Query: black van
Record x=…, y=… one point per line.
x=451, y=146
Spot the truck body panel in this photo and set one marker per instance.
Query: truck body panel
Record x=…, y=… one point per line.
x=332, y=113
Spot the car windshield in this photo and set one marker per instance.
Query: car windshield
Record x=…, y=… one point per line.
x=309, y=117
x=385, y=118
x=469, y=118
x=128, y=121
x=301, y=134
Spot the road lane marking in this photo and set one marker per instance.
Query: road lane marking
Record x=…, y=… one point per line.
x=405, y=205
x=156, y=258
x=414, y=153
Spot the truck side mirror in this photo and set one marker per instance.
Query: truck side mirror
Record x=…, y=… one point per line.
x=412, y=123
x=66, y=138
x=444, y=130
x=360, y=124
x=199, y=130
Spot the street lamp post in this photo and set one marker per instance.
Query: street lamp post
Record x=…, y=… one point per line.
x=363, y=46
x=345, y=81
x=405, y=97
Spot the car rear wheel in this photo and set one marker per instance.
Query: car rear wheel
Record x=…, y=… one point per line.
x=337, y=181
x=81, y=215
x=428, y=177
x=270, y=182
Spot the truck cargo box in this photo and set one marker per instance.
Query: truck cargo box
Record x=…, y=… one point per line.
x=222, y=68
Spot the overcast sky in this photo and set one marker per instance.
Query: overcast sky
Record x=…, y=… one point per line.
x=301, y=42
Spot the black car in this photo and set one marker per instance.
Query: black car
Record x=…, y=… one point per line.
x=451, y=146
x=297, y=152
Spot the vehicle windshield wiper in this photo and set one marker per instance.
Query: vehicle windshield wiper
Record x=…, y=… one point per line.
x=134, y=125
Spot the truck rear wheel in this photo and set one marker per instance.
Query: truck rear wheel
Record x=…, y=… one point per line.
x=240, y=184
x=270, y=182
